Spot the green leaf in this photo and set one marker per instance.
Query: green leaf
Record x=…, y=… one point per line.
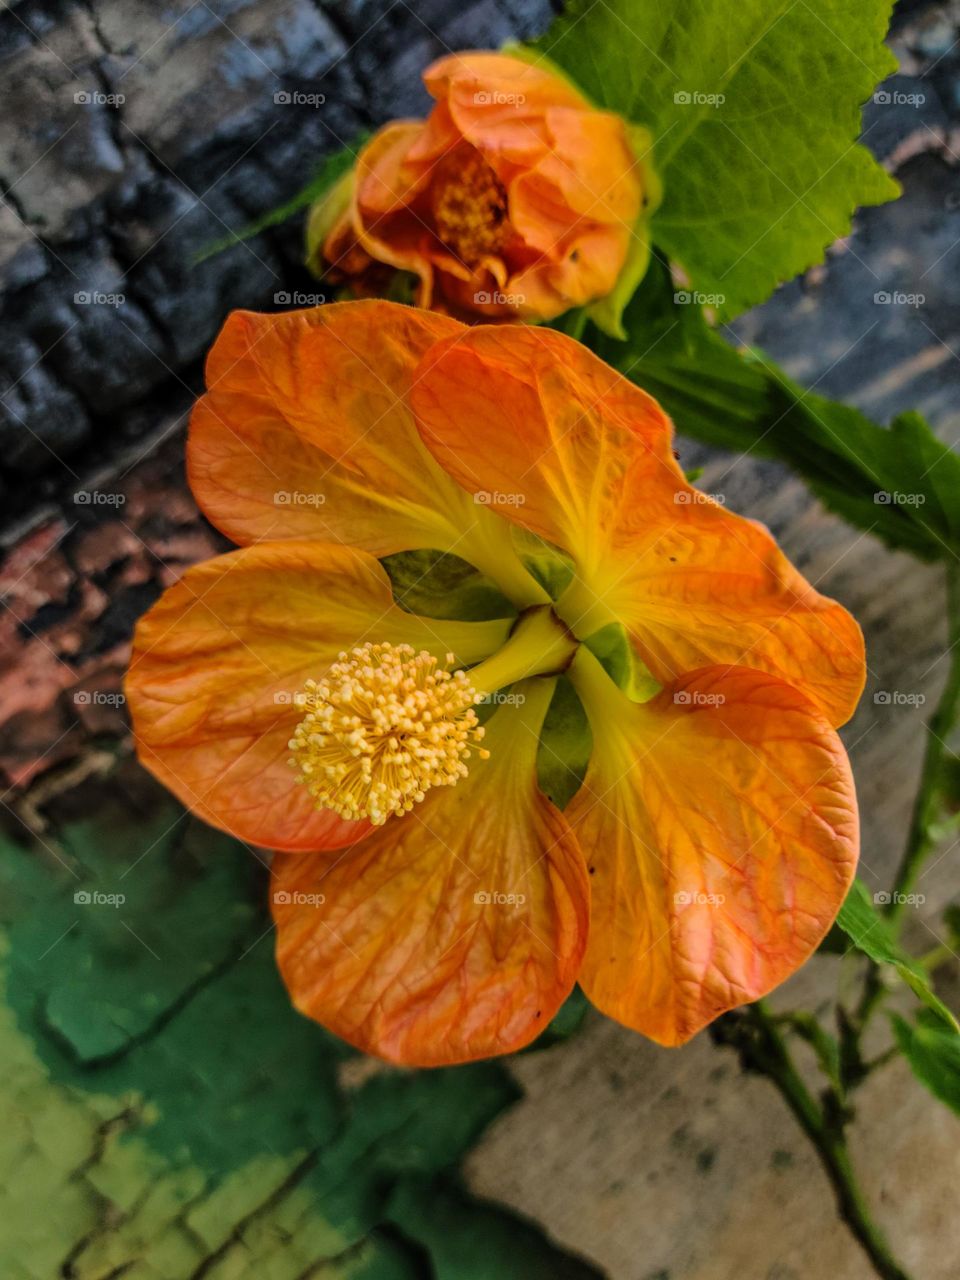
x=872, y=934
x=333, y=169
x=899, y=482
x=934, y=1057
x=754, y=107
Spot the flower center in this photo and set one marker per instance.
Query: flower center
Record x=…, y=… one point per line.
x=469, y=207
x=384, y=726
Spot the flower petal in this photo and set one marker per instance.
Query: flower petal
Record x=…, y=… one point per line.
x=400, y=945
x=306, y=432
x=587, y=460
x=720, y=826
x=500, y=103
x=217, y=663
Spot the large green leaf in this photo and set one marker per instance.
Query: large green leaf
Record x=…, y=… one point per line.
x=754, y=106
x=898, y=482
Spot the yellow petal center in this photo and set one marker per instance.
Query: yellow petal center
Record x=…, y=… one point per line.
x=384, y=726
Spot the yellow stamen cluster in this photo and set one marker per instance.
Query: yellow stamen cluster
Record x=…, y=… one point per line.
x=469, y=207
x=384, y=726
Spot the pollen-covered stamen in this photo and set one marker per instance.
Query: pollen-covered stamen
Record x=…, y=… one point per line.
x=384, y=726
x=469, y=207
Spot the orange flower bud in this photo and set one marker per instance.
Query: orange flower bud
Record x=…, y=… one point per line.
x=515, y=198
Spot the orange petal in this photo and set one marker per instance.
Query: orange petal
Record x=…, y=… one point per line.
x=589, y=176
x=415, y=945
x=386, y=179
x=305, y=432
x=720, y=826
x=587, y=458
x=566, y=434
x=217, y=663
x=499, y=103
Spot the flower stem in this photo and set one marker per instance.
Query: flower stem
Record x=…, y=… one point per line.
x=922, y=838
x=753, y=1033
x=927, y=807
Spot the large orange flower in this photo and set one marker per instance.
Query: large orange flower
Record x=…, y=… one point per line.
x=514, y=197
x=432, y=904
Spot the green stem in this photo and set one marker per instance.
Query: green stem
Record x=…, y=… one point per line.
x=754, y=1033
x=921, y=839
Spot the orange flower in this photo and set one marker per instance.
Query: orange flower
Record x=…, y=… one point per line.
x=514, y=197
x=432, y=904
